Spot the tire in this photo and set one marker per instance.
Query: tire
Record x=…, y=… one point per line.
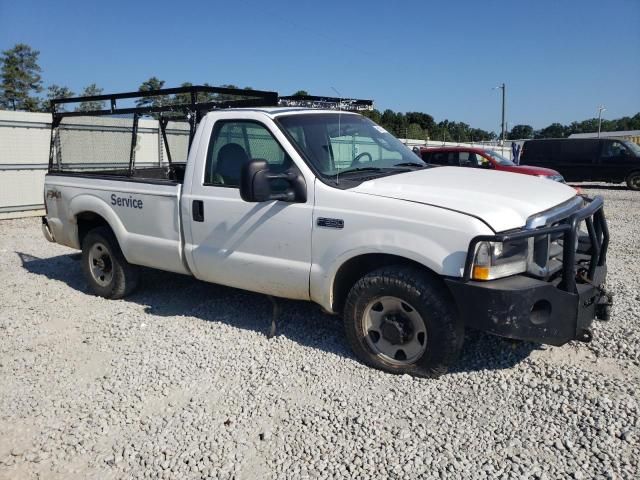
x=420, y=316
x=633, y=181
x=104, y=266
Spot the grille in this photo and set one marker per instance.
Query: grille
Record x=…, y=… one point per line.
x=545, y=255
x=546, y=251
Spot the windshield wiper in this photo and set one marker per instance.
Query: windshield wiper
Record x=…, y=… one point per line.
x=410, y=164
x=361, y=169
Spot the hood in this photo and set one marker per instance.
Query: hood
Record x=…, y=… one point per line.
x=501, y=199
x=528, y=170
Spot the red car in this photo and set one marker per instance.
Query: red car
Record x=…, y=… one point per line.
x=480, y=158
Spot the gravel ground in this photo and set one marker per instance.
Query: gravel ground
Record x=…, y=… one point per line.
x=179, y=381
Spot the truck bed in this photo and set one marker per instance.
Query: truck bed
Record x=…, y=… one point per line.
x=143, y=212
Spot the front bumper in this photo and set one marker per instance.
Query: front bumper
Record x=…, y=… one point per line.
x=526, y=308
x=552, y=310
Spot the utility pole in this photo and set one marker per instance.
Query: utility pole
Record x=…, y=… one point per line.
x=601, y=109
x=503, y=87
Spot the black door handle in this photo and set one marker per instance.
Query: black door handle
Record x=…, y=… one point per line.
x=198, y=211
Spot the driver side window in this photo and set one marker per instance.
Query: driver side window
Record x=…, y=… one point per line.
x=614, y=149
x=233, y=144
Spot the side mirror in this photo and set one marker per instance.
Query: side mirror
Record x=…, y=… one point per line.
x=255, y=184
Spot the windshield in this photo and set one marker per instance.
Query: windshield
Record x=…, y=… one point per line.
x=634, y=147
x=499, y=158
x=339, y=143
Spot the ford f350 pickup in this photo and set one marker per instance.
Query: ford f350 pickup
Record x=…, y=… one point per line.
x=322, y=204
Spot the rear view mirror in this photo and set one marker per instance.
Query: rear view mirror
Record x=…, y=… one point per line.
x=255, y=184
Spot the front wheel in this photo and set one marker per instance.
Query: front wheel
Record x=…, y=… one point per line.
x=633, y=181
x=402, y=320
x=104, y=265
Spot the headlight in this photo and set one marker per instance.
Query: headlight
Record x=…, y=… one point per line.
x=499, y=259
x=555, y=178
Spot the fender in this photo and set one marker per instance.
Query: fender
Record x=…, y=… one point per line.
x=89, y=202
x=431, y=255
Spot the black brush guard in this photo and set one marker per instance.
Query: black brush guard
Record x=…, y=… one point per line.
x=543, y=310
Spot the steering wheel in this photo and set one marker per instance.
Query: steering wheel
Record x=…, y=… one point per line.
x=356, y=161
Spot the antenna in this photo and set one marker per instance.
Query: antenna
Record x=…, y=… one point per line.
x=339, y=117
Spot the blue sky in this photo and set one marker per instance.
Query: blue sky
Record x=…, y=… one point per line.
x=559, y=59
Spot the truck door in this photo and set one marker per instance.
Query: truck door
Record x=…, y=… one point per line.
x=264, y=247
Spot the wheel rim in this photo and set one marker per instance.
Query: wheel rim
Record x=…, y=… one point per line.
x=635, y=181
x=394, y=330
x=101, y=264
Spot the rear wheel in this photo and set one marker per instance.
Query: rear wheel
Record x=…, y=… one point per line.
x=104, y=265
x=633, y=181
x=401, y=320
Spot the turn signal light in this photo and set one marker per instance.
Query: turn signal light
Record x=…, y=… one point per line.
x=481, y=273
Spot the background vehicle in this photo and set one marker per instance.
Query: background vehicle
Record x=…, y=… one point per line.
x=481, y=158
x=586, y=159
x=326, y=206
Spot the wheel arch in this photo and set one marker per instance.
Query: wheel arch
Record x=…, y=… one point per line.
x=89, y=212
x=358, y=266
x=87, y=221
x=632, y=173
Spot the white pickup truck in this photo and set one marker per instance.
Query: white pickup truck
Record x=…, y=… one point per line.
x=326, y=206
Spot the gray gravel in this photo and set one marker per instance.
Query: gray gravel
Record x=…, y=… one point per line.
x=179, y=381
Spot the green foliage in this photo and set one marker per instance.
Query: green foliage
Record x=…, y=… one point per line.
x=422, y=126
x=89, y=91
x=20, y=78
x=301, y=93
x=154, y=83
x=520, y=131
x=557, y=130
x=53, y=92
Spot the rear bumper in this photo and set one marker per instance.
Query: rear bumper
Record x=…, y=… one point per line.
x=525, y=308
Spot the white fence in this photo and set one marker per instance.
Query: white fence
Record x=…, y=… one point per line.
x=24, y=154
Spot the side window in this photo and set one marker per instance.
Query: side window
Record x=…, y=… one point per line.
x=613, y=149
x=233, y=144
x=465, y=160
x=439, y=158
x=478, y=160
x=452, y=159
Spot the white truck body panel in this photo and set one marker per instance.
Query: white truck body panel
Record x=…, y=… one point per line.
x=277, y=248
x=148, y=236
x=501, y=199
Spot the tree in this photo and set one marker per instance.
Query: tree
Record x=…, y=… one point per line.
x=90, y=91
x=154, y=83
x=425, y=120
x=20, y=78
x=415, y=132
x=53, y=92
x=555, y=130
x=374, y=115
x=182, y=98
x=301, y=93
x=520, y=131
